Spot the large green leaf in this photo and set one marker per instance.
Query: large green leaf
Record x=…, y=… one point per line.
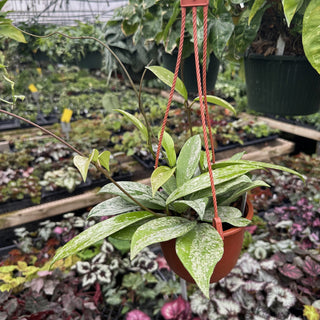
x=140, y=126
x=227, y=214
x=168, y=145
x=160, y=176
x=98, y=232
x=257, y=5
x=199, y=251
x=219, y=102
x=188, y=160
x=202, y=182
x=9, y=31
x=219, y=32
x=159, y=230
x=166, y=76
x=139, y=191
x=310, y=33
x=290, y=7
x=82, y=163
x=244, y=33
x=112, y=207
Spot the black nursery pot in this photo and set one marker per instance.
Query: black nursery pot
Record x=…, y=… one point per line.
x=282, y=85
x=189, y=71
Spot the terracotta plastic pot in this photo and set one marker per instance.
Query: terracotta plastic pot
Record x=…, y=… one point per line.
x=233, y=239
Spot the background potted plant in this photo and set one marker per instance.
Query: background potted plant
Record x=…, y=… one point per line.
x=280, y=47
x=179, y=204
x=159, y=22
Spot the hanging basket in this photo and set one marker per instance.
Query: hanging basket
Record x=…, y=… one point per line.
x=282, y=85
x=233, y=239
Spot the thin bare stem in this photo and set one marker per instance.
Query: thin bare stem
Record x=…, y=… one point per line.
x=149, y=143
x=98, y=166
x=90, y=38
x=43, y=130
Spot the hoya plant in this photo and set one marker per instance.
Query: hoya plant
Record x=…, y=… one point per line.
x=178, y=204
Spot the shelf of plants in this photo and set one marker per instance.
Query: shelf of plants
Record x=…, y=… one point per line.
x=276, y=277
x=93, y=123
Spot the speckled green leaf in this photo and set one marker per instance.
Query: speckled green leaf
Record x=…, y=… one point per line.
x=139, y=191
x=227, y=214
x=170, y=185
x=127, y=232
x=98, y=232
x=230, y=196
x=166, y=76
x=199, y=251
x=198, y=205
x=219, y=102
x=310, y=33
x=256, y=164
x=168, y=145
x=188, y=160
x=160, y=176
x=202, y=182
x=82, y=164
x=141, y=127
x=112, y=207
x=158, y=230
x=104, y=159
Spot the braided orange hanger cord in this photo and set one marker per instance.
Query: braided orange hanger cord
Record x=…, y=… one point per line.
x=176, y=72
x=204, y=77
x=216, y=220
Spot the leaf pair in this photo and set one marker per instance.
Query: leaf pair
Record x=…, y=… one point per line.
x=82, y=163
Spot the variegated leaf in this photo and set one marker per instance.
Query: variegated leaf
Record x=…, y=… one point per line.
x=139, y=191
x=220, y=175
x=127, y=232
x=198, y=205
x=257, y=165
x=170, y=185
x=159, y=230
x=112, y=207
x=188, y=160
x=98, y=232
x=227, y=214
x=199, y=251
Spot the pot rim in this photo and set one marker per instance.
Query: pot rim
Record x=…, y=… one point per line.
x=255, y=56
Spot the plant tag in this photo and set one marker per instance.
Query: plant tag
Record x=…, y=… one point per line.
x=32, y=88
x=66, y=115
x=194, y=3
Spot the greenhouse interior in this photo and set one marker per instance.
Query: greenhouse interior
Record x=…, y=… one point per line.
x=159, y=160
